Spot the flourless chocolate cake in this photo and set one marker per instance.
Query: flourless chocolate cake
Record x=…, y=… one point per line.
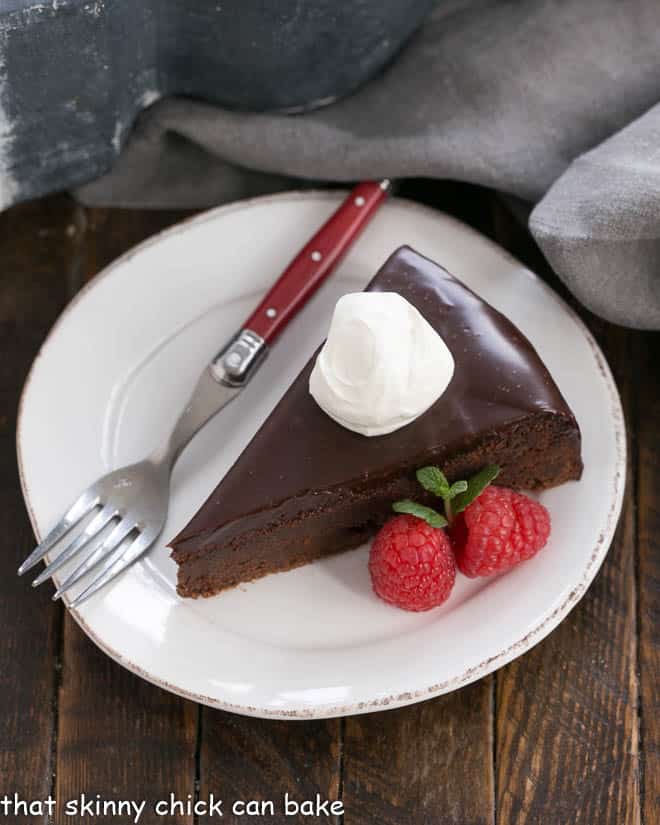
x=306, y=487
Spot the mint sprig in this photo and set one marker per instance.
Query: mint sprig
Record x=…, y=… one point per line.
x=456, y=497
x=435, y=481
x=428, y=514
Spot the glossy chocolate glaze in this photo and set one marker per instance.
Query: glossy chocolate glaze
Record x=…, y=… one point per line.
x=301, y=459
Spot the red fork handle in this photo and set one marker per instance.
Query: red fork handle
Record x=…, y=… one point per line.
x=316, y=260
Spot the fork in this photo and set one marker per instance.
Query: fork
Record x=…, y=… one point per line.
x=132, y=502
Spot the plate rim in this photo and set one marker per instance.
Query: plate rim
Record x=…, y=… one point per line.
x=547, y=622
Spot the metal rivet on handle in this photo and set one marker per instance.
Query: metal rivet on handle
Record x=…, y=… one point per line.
x=359, y=201
x=271, y=312
x=316, y=255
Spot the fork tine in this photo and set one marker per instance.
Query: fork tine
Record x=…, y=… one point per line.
x=90, y=532
x=105, y=549
x=141, y=544
x=80, y=508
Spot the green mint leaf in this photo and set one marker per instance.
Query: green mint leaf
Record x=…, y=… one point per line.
x=433, y=480
x=456, y=488
x=428, y=514
x=475, y=487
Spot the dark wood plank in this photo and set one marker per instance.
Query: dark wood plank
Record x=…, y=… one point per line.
x=430, y=763
x=111, y=232
x=119, y=736
x=468, y=202
x=567, y=731
x=648, y=439
x=37, y=248
x=256, y=759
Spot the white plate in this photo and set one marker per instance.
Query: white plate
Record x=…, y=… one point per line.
x=119, y=364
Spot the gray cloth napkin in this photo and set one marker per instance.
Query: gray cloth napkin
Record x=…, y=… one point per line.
x=553, y=102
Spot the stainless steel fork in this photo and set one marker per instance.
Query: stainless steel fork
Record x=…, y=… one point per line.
x=135, y=498
x=128, y=507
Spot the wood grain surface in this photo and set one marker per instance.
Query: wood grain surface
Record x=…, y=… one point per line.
x=647, y=453
x=426, y=763
x=567, y=734
x=567, y=750
x=262, y=760
x=37, y=259
x=569, y=747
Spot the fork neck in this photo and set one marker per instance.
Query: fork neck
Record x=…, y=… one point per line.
x=209, y=396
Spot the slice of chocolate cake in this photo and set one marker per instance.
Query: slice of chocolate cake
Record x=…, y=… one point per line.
x=306, y=487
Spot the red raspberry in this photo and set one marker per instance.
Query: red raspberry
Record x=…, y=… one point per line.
x=411, y=564
x=497, y=531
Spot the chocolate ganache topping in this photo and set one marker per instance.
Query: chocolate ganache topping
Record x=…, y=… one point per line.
x=305, y=459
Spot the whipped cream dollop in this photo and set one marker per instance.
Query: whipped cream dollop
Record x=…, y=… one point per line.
x=381, y=366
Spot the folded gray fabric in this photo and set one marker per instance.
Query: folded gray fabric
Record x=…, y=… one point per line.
x=523, y=97
x=599, y=225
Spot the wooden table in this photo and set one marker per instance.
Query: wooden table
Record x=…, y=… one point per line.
x=569, y=733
